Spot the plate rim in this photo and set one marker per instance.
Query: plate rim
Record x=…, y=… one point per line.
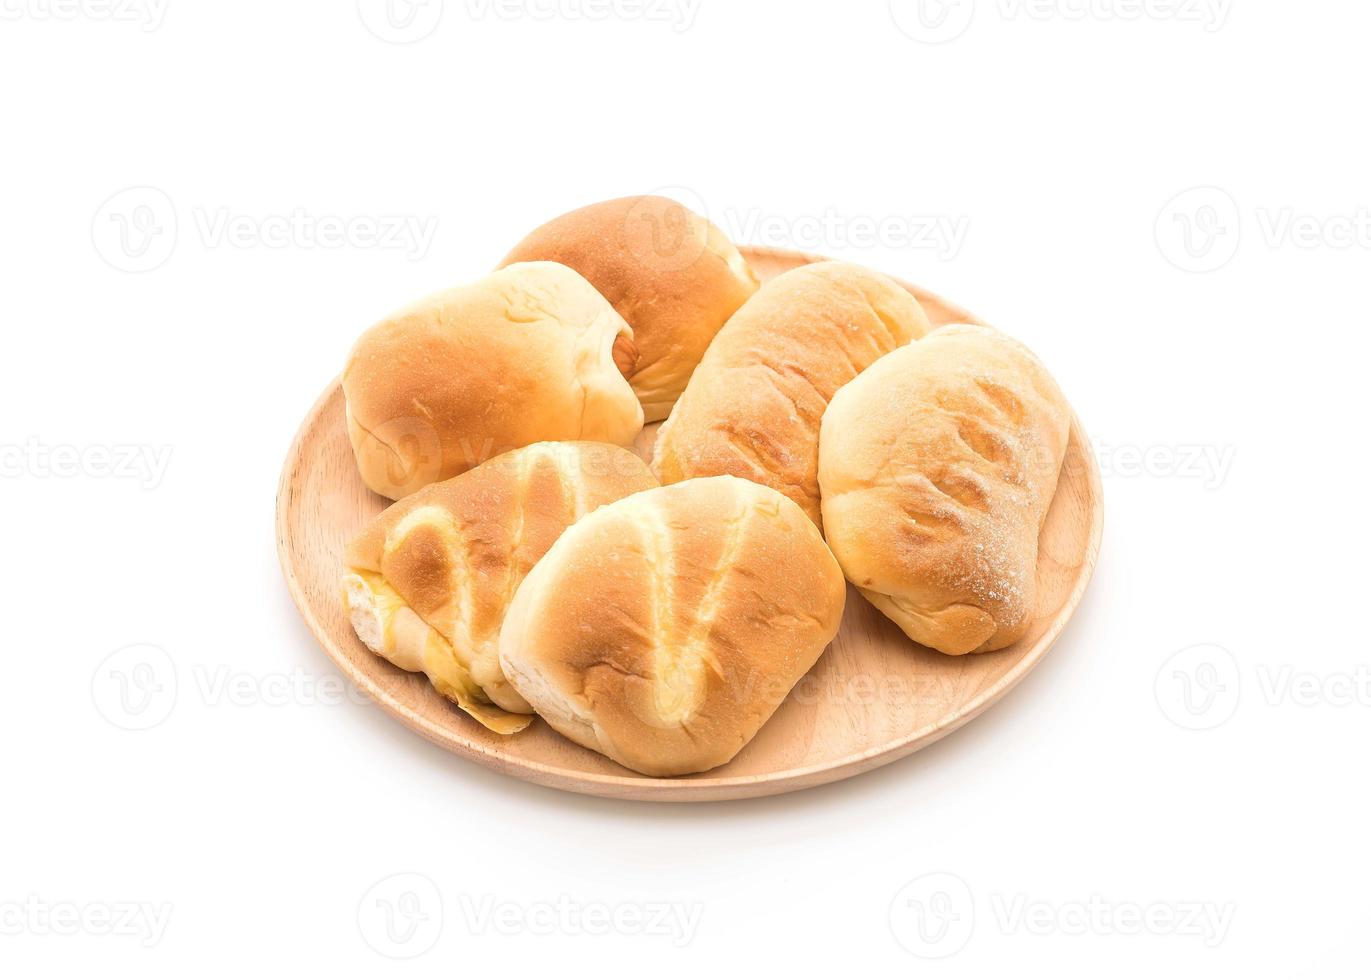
x=703, y=787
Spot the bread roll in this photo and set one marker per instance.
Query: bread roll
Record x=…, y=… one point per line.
x=528, y=354
x=670, y=273
x=937, y=466
x=429, y=580
x=754, y=405
x=663, y=630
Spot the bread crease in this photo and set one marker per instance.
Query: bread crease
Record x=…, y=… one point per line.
x=754, y=405
x=428, y=582
x=664, y=629
x=937, y=467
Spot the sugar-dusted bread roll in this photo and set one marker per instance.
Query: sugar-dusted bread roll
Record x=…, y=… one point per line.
x=528, y=354
x=754, y=405
x=663, y=630
x=668, y=271
x=429, y=580
x=937, y=467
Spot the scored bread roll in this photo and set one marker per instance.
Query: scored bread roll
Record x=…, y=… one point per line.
x=937, y=466
x=663, y=630
x=668, y=271
x=429, y=580
x=753, y=407
x=530, y=353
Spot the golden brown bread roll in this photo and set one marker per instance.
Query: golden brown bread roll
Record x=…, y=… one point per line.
x=663, y=630
x=753, y=406
x=528, y=354
x=429, y=580
x=668, y=271
x=937, y=466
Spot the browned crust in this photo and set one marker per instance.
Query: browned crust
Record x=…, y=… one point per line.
x=664, y=629
x=522, y=356
x=667, y=271
x=459, y=567
x=754, y=405
x=938, y=465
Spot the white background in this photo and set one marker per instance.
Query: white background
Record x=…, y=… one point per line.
x=1214, y=343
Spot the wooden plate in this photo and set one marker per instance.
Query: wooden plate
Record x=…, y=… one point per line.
x=873, y=697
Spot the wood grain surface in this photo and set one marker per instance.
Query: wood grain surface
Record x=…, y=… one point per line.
x=873, y=697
